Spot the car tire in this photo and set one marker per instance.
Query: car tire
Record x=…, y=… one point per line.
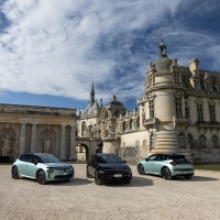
x=141, y=169
x=87, y=173
x=166, y=174
x=41, y=177
x=15, y=172
x=97, y=180
x=188, y=177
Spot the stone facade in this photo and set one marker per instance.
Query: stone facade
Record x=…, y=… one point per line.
x=37, y=129
x=178, y=113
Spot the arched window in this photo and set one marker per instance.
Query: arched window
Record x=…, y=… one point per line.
x=130, y=124
x=83, y=127
x=138, y=122
x=215, y=142
x=181, y=139
x=123, y=126
x=202, y=141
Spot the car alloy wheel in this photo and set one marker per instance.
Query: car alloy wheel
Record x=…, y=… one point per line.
x=87, y=173
x=41, y=177
x=141, y=169
x=166, y=174
x=14, y=172
x=97, y=180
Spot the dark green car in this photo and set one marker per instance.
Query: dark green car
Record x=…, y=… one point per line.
x=42, y=167
x=166, y=165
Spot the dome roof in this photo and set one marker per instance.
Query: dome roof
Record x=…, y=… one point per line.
x=163, y=64
x=115, y=104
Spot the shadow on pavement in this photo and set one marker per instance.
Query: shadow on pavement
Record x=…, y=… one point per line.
x=72, y=182
x=196, y=179
x=136, y=182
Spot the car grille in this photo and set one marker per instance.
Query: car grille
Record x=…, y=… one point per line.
x=63, y=176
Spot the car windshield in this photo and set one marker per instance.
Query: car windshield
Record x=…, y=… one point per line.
x=109, y=159
x=179, y=159
x=47, y=158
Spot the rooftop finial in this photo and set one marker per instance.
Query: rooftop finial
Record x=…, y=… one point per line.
x=162, y=47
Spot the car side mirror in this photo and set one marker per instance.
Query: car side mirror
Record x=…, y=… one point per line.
x=146, y=160
x=35, y=161
x=124, y=161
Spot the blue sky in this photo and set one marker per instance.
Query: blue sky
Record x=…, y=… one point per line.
x=51, y=49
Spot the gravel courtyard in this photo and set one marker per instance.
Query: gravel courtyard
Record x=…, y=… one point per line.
x=147, y=197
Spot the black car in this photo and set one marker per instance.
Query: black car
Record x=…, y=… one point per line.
x=108, y=167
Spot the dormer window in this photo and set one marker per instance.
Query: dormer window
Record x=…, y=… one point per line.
x=197, y=85
x=209, y=87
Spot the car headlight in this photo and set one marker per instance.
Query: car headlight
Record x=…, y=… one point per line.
x=50, y=170
x=101, y=172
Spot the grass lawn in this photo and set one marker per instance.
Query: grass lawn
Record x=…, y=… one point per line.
x=215, y=167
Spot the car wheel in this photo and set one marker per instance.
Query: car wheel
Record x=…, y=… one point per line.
x=188, y=176
x=41, y=177
x=15, y=173
x=141, y=169
x=166, y=174
x=87, y=173
x=97, y=180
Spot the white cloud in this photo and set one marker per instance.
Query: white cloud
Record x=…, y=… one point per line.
x=54, y=47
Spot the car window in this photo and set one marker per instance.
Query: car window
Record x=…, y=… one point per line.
x=159, y=157
x=47, y=158
x=24, y=158
x=109, y=159
x=180, y=159
x=166, y=157
x=151, y=158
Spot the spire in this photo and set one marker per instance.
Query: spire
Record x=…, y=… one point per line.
x=92, y=94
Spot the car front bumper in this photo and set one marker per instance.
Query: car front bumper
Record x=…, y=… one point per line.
x=115, y=177
x=57, y=175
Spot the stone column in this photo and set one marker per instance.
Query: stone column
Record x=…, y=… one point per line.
x=33, y=137
x=63, y=142
x=73, y=142
x=22, y=139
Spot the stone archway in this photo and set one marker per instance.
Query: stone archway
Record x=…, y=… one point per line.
x=82, y=152
x=8, y=141
x=47, y=141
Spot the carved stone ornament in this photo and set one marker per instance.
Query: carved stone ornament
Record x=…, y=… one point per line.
x=47, y=145
x=6, y=146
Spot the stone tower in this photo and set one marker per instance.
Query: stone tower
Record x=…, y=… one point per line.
x=165, y=116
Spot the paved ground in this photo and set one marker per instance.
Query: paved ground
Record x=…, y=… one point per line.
x=147, y=197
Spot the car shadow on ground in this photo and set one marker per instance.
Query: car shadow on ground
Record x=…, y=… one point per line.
x=136, y=182
x=195, y=179
x=73, y=182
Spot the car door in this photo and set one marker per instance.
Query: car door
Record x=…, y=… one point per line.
x=149, y=164
x=22, y=165
x=158, y=164
x=31, y=167
x=92, y=165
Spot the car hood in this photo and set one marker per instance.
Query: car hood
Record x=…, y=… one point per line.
x=57, y=165
x=114, y=166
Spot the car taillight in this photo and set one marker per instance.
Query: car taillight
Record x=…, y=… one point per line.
x=173, y=163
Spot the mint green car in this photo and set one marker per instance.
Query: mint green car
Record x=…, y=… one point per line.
x=166, y=166
x=42, y=167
